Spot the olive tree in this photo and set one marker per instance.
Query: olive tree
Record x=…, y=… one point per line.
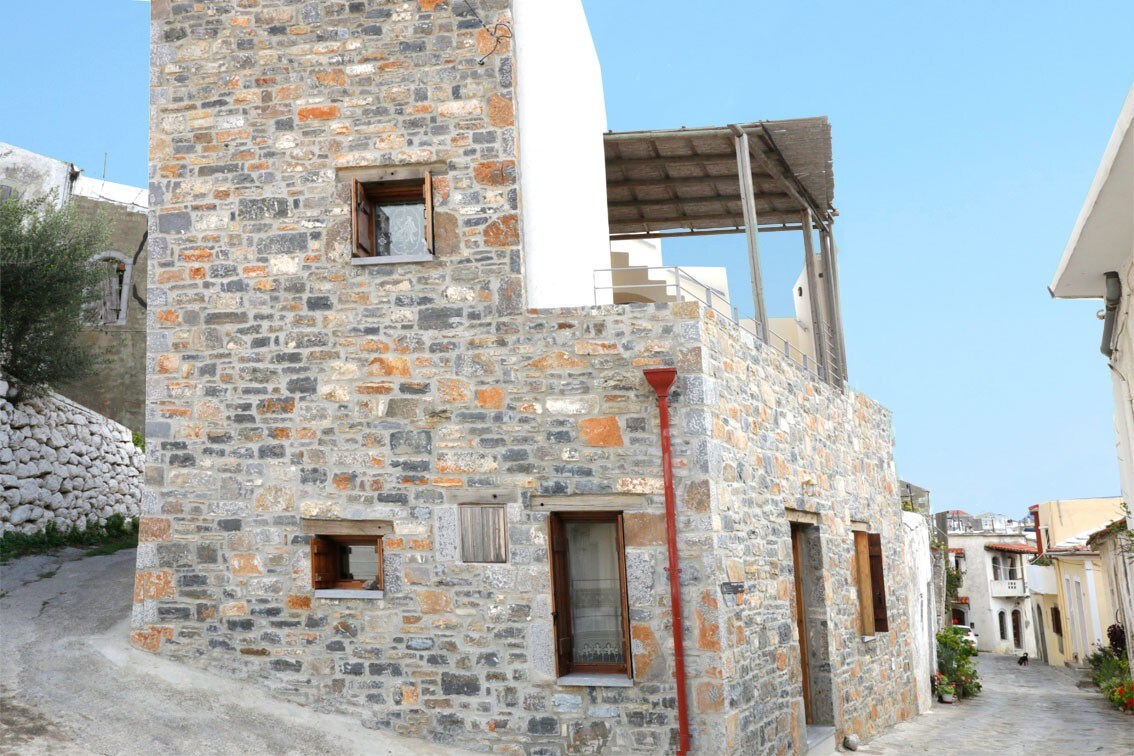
x=48, y=279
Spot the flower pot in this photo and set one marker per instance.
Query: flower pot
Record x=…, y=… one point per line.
x=941, y=698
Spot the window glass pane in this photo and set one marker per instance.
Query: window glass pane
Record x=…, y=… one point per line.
x=400, y=230
x=360, y=562
x=596, y=592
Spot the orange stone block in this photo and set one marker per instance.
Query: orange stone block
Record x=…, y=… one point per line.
x=150, y=639
x=490, y=398
x=154, y=529
x=453, y=390
x=601, y=431
x=644, y=529
x=168, y=316
x=434, y=602
x=504, y=232
x=709, y=697
x=332, y=78
x=167, y=363
x=410, y=693
x=318, y=112
x=647, y=653
x=152, y=584
x=500, y=111
x=389, y=366
x=557, y=360
x=495, y=172
x=298, y=601
x=596, y=347
x=246, y=564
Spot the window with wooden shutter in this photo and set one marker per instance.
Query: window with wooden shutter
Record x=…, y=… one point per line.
x=878, y=584
x=1056, y=621
x=393, y=219
x=871, y=582
x=347, y=554
x=484, y=532
x=590, y=605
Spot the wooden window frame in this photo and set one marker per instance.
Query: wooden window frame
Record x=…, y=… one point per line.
x=365, y=196
x=326, y=561
x=867, y=565
x=467, y=542
x=561, y=593
x=1056, y=621
x=1002, y=624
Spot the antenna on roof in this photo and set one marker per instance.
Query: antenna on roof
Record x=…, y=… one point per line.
x=105, y=159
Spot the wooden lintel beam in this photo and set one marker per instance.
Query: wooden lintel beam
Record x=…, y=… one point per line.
x=615, y=162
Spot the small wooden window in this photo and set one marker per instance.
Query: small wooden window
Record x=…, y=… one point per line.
x=1003, y=626
x=871, y=581
x=1056, y=621
x=590, y=607
x=351, y=562
x=393, y=218
x=484, y=532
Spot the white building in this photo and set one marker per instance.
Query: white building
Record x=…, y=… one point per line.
x=993, y=598
x=1098, y=263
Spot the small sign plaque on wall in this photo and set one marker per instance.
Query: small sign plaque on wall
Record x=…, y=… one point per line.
x=732, y=589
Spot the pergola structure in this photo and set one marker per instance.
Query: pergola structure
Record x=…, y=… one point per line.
x=741, y=178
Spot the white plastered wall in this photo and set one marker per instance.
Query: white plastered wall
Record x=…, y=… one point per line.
x=560, y=121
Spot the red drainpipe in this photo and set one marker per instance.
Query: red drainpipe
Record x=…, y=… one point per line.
x=661, y=380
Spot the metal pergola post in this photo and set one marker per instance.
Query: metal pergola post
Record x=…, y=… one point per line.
x=831, y=292
x=813, y=293
x=751, y=226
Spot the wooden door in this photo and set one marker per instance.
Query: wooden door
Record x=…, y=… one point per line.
x=560, y=595
x=797, y=545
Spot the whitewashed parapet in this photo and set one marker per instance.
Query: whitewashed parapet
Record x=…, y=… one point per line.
x=62, y=462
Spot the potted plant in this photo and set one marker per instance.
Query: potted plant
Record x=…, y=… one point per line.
x=946, y=691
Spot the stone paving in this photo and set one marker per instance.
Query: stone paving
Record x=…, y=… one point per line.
x=1027, y=710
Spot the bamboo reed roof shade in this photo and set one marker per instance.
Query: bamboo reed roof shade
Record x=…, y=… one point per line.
x=687, y=179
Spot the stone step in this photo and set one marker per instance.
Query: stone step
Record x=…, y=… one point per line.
x=820, y=740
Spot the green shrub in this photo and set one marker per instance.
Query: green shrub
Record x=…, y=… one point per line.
x=955, y=661
x=1111, y=672
x=118, y=533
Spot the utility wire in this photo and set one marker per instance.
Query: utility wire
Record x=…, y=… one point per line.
x=493, y=30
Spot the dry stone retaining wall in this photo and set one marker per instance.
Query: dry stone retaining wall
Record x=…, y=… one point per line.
x=61, y=462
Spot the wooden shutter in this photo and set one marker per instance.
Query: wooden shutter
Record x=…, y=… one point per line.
x=1056, y=621
x=626, y=650
x=381, y=576
x=427, y=188
x=484, y=535
x=861, y=567
x=877, y=583
x=561, y=596
x=324, y=562
x=362, y=216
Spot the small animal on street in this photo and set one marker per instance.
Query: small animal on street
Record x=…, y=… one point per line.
x=1023, y=660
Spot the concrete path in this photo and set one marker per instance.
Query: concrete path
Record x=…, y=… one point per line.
x=1034, y=710
x=71, y=684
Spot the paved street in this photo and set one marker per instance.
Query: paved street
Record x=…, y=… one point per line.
x=1035, y=710
x=70, y=683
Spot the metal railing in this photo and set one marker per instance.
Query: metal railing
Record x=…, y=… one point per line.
x=676, y=285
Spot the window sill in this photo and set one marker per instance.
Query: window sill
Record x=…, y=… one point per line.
x=348, y=593
x=391, y=260
x=872, y=638
x=585, y=680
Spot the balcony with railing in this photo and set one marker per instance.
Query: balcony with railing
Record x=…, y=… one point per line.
x=746, y=179
x=1008, y=588
x=670, y=283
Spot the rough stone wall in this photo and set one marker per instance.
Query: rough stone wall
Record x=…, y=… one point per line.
x=284, y=382
x=780, y=440
x=61, y=462
x=118, y=391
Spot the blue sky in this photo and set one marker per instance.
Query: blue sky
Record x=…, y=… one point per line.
x=965, y=137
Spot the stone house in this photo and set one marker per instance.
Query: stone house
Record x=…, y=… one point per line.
x=118, y=330
x=403, y=460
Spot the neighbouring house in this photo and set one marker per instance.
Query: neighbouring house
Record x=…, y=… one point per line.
x=1098, y=263
x=993, y=595
x=118, y=331
x=409, y=457
x=1072, y=592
